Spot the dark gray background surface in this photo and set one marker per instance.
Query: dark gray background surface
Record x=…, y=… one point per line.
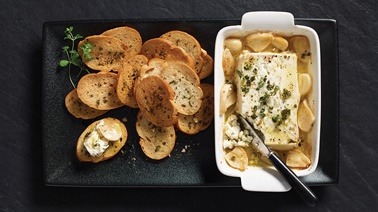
x=21, y=177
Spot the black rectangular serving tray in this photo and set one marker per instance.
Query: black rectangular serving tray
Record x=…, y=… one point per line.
x=192, y=162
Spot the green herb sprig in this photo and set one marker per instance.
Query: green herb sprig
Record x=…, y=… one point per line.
x=73, y=57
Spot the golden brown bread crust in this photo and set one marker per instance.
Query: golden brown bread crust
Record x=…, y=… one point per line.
x=108, y=53
x=98, y=90
x=208, y=65
x=188, y=43
x=114, y=146
x=156, y=142
x=126, y=79
x=192, y=124
x=165, y=49
x=80, y=110
x=138, y=61
x=155, y=100
x=127, y=35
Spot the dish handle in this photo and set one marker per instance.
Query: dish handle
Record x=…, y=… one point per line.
x=264, y=180
x=270, y=20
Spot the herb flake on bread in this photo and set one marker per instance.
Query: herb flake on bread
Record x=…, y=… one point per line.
x=188, y=43
x=79, y=109
x=156, y=142
x=127, y=77
x=192, y=124
x=165, y=49
x=130, y=36
x=186, y=86
x=155, y=99
x=108, y=53
x=98, y=90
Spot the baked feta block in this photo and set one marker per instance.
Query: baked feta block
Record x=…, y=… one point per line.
x=268, y=96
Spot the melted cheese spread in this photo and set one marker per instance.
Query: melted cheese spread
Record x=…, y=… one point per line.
x=95, y=143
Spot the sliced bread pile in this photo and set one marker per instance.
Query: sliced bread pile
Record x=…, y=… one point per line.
x=161, y=77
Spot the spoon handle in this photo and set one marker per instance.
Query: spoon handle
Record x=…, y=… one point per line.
x=303, y=190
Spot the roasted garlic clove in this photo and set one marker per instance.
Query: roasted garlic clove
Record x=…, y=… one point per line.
x=110, y=130
x=227, y=98
x=301, y=46
x=235, y=45
x=280, y=43
x=258, y=41
x=296, y=159
x=304, y=83
x=228, y=62
x=305, y=116
x=237, y=158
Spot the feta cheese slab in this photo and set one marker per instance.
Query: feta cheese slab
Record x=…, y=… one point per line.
x=268, y=96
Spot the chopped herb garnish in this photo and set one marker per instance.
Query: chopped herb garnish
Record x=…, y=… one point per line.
x=286, y=94
x=276, y=88
x=269, y=86
x=248, y=66
x=262, y=112
x=285, y=114
x=277, y=120
x=245, y=89
x=240, y=74
x=261, y=83
x=264, y=99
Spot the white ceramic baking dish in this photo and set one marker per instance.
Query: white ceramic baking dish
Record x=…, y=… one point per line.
x=259, y=178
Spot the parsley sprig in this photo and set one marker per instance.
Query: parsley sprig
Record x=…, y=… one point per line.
x=73, y=57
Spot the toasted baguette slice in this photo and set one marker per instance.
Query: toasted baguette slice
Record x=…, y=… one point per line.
x=129, y=36
x=189, y=44
x=126, y=79
x=138, y=61
x=98, y=90
x=193, y=124
x=208, y=65
x=156, y=142
x=185, y=84
x=155, y=99
x=165, y=49
x=108, y=53
x=114, y=146
x=153, y=68
x=80, y=110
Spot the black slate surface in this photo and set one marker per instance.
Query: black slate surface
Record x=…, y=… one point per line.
x=21, y=177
